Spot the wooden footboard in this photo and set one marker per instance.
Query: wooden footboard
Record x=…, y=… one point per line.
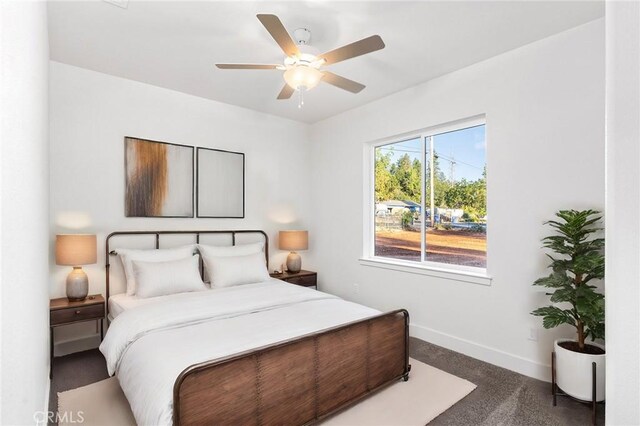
x=299, y=381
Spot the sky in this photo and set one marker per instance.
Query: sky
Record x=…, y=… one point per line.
x=465, y=148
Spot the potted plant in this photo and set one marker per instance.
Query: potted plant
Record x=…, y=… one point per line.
x=578, y=260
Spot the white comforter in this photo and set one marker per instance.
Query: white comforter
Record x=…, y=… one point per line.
x=148, y=346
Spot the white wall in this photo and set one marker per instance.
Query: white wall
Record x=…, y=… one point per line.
x=24, y=193
x=544, y=106
x=623, y=203
x=90, y=115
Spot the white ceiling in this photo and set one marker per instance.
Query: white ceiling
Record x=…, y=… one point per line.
x=176, y=44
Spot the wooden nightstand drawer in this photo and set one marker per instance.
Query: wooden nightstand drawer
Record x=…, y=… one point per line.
x=305, y=281
x=79, y=313
x=302, y=278
x=63, y=311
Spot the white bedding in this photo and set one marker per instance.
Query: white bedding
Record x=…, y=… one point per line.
x=147, y=346
x=121, y=302
x=118, y=303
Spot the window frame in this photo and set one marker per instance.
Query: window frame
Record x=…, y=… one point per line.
x=423, y=266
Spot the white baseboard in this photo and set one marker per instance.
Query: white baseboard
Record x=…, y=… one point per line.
x=47, y=393
x=483, y=353
x=45, y=408
x=84, y=343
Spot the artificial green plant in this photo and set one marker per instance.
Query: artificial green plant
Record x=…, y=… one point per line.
x=577, y=260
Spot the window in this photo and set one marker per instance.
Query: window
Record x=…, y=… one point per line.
x=430, y=198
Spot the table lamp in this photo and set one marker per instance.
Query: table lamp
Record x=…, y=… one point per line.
x=75, y=250
x=293, y=240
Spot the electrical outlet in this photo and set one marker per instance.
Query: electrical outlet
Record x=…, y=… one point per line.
x=533, y=334
x=356, y=288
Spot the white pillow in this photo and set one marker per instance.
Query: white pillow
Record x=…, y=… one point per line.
x=227, y=271
x=240, y=250
x=161, y=278
x=128, y=256
x=226, y=251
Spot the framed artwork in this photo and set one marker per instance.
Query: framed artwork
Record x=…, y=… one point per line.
x=219, y=183
x=158, y=179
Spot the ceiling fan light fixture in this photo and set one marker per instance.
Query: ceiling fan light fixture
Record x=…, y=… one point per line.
x=302, y=61
x=302, y=76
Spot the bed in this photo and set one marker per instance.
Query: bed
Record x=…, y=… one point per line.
x=262, y=353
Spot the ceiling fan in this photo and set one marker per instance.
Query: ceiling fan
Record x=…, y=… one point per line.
x=303, y=64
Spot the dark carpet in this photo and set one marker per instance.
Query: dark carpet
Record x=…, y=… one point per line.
x=501, y=398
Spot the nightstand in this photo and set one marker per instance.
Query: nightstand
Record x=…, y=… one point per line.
x=303, y=278
x=63, y=312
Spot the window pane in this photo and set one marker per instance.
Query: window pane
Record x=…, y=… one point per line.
x=457, y=232
x=398, y=200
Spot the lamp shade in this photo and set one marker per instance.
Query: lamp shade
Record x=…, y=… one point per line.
x=76, y=249
x=302, y=76
x=293, y=240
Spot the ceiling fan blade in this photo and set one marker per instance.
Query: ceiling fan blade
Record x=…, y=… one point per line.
x=279, y=33
x=286, y=92
x=358, y=48
x=341, y=82
x=247, y=66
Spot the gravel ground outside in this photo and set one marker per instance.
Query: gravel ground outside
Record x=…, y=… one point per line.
x=459, y=247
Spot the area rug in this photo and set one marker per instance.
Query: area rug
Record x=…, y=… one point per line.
x=428, y=393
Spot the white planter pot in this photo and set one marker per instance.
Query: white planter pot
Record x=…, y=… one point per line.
x=573, y=372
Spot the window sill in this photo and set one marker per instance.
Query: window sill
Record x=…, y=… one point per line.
x=449, y=274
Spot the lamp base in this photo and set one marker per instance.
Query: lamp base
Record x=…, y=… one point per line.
x=77, y=285
x=294, y=262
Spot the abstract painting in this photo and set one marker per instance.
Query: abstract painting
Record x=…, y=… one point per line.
x=220, y=183
x=159, y=179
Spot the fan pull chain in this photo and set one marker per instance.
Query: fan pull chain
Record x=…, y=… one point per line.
x=300, y=97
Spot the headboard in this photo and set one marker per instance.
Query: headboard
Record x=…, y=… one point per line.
x=233, y=233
